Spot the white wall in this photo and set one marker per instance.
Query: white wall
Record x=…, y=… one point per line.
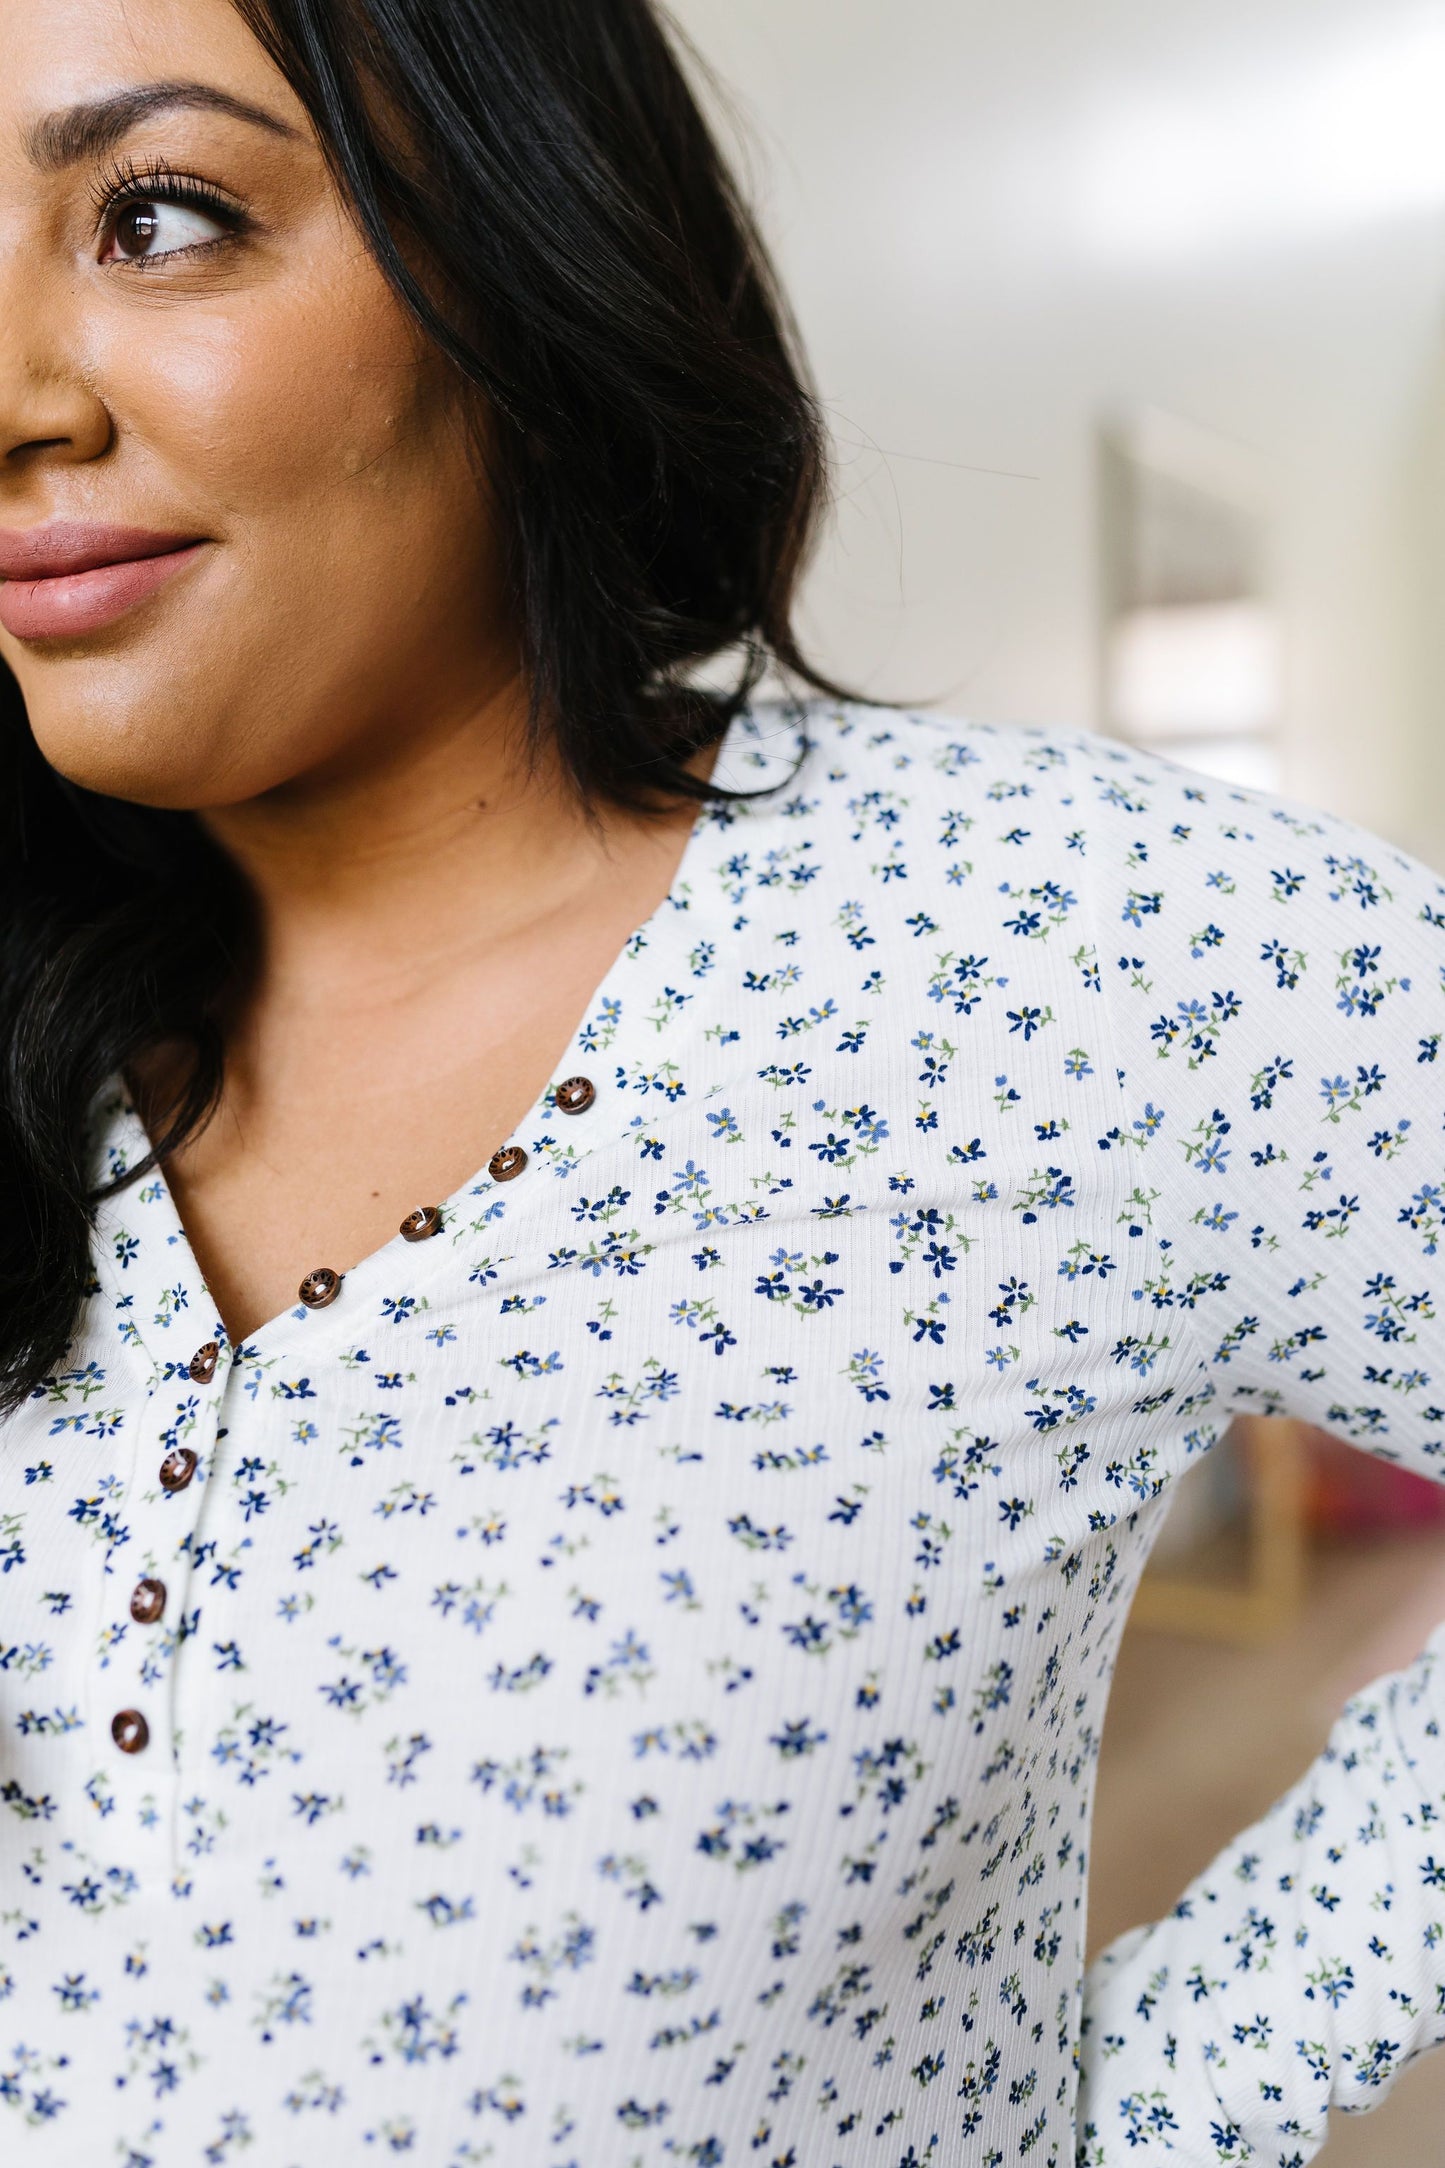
x=1001, y=219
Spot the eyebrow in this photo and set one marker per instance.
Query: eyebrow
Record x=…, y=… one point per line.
x=77, y=133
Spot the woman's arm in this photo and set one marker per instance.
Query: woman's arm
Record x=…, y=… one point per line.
x=1276, y=985
x=1300, y=1972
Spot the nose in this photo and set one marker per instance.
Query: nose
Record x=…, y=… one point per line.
x=49, y=408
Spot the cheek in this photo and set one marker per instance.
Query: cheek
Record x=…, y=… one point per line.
x=310, y=433
x=270, y=404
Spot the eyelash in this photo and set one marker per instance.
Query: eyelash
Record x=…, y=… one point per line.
x=121, y=186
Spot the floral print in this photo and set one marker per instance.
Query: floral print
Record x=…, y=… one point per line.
x=632, y=1665
x=1300, y=1974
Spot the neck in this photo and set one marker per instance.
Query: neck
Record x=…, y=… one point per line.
x=377, y=880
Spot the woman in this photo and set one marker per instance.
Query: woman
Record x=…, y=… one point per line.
x=597, y=1660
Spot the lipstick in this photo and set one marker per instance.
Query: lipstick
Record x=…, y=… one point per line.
x=73, y=577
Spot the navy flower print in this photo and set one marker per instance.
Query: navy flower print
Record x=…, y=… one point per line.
x=1299, y=1975
x=630, y=1668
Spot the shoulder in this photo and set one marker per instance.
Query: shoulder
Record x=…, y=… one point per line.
x=1127, y=821
x=835, y=760
x=836, y=750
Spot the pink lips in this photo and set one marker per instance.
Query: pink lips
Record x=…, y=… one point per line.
x=71, y=577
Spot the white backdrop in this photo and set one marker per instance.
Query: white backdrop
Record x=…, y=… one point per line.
x=1002, y=219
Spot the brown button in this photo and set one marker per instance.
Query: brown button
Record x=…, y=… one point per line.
x=506, y=1165
x=202, y=1367
x=147, y=1601
x=575, y=1096
x=130, y=1730
x=424, y=1221
x=177, y=1468
x=320, y=1288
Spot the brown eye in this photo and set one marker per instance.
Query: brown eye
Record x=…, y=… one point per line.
x=148, y=230
x=135, y=229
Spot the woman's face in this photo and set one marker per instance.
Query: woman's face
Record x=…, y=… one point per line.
x=231, y=372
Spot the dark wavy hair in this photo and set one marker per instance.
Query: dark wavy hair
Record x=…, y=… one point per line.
x=538, y=185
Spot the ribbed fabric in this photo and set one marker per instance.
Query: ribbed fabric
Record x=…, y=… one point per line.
x=633, y=1665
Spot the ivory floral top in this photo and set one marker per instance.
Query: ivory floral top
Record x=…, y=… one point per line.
x=615, y=1681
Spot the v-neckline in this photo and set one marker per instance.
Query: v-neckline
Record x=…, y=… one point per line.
x=745, y=757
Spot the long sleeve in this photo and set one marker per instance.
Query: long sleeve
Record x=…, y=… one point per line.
x=1300, y=1973
x=1277, y=994
x=1275, y=983
x=1276, y=990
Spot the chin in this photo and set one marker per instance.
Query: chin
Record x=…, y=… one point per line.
x=146, y=751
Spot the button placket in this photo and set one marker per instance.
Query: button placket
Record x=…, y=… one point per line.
x=163, y=1512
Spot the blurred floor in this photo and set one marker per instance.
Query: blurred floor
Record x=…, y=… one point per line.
x=1200, y=1739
